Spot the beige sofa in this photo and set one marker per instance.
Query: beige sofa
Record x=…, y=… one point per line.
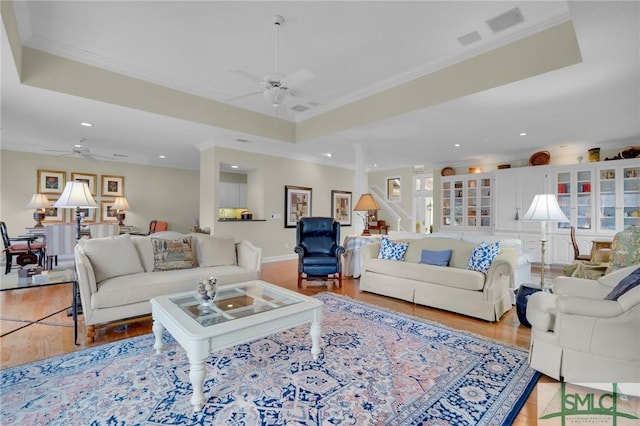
x=453, y=288
x=116, y=275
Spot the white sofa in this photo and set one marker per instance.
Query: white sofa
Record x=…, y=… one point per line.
x=453, y=288
x=116, y=275
x=522, y=270
x=579, y=337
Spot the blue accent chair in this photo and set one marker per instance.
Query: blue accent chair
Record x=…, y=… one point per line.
x=319, y=250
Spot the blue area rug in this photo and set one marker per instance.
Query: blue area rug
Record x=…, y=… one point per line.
x=376, y=367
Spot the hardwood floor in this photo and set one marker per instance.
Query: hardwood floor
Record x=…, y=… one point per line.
x=54, y=335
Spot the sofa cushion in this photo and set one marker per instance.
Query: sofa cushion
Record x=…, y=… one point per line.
x=216, y=251
x=629, y=282
x=483, y=256
x=450, y=277
x=461, y=250
x=436, y=257
x=173, y=254
x=136, y=288
x=112, y=256
x=145, y=251
x=390, y=250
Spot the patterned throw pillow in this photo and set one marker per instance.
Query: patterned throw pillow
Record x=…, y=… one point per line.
x=392, y=251
x=173, y=254
x=483, y=256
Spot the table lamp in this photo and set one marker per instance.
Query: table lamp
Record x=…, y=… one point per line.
x=366, y=203
x=544, y=208
x=39, y=202
x=76, y=195
x=120, y=205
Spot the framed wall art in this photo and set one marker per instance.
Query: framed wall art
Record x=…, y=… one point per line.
x=53, y=214
x=107, y=212
x=112, y=186
x=297, y=204
x=341, y=207
x=393, y=188
x=51, y=181
x=87, y=178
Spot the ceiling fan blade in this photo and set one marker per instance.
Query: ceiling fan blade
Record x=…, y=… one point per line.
x=248, y=76
x=298, y=77
x=57, y=150
x=244, y=95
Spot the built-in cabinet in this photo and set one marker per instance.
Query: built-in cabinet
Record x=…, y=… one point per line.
x=599, y=199
x=232, y=195
x=618, y=198
x=466, y=202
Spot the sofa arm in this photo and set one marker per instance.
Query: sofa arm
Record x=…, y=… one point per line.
x=574, y=305
x=249, y=256
x=86, y=280
x=503, y=265
x=369, y=251
x=570, y=286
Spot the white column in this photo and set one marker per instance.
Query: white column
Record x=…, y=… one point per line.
x=361, y=185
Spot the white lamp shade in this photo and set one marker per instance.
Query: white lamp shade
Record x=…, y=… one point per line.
x=76, y=194
x=545, y=208
x=38, y=201
x=121, y=204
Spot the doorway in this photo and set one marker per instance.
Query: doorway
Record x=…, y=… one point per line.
x=423, y=202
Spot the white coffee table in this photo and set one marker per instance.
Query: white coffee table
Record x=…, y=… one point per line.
x=241, y=312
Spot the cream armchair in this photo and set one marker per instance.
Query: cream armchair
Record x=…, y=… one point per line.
x=579, y=337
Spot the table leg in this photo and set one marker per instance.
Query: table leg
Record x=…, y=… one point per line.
x=74, y=310
x=197, y=373
x=158, y=329
x=315, y=332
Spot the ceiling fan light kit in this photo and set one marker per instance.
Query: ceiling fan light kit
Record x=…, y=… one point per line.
x=276, y=86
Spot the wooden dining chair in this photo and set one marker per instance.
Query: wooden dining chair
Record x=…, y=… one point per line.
x=25, y=250
x=576, y=250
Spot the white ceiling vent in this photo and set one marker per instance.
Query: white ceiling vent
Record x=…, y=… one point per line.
x=506, y=20
x=467, y=39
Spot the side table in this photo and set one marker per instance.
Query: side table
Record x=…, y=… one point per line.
x=522, y=297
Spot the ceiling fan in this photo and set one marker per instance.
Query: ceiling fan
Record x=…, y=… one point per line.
x=276, y=87
x=79, y=150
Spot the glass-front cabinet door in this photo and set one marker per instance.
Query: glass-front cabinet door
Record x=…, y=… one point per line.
x=575, y=197
x=631, y=196
x=607, y=203
x=619, y=198
x=466, y=202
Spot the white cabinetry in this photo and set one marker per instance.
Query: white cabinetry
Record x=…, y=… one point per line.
x=515, y=190
x=618, y=197
x=232, y=195
x=467, y=202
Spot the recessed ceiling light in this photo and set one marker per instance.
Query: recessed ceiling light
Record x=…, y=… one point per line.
x=523, y=134
x=328, y=154
x=456, y=145
x=234, y=166
x=77, y=145
x=162, y=156
x=86, y=124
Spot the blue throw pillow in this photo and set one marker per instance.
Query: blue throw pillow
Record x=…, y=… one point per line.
x=630, y=281
x=483, y=256
x=438, y=258
x=392, y=251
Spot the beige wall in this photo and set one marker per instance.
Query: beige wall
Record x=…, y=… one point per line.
x=152, y=192
x=378, y=179
x=266, y=183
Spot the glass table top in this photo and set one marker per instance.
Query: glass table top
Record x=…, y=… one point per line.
x=13, y=281
x=234, y=302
